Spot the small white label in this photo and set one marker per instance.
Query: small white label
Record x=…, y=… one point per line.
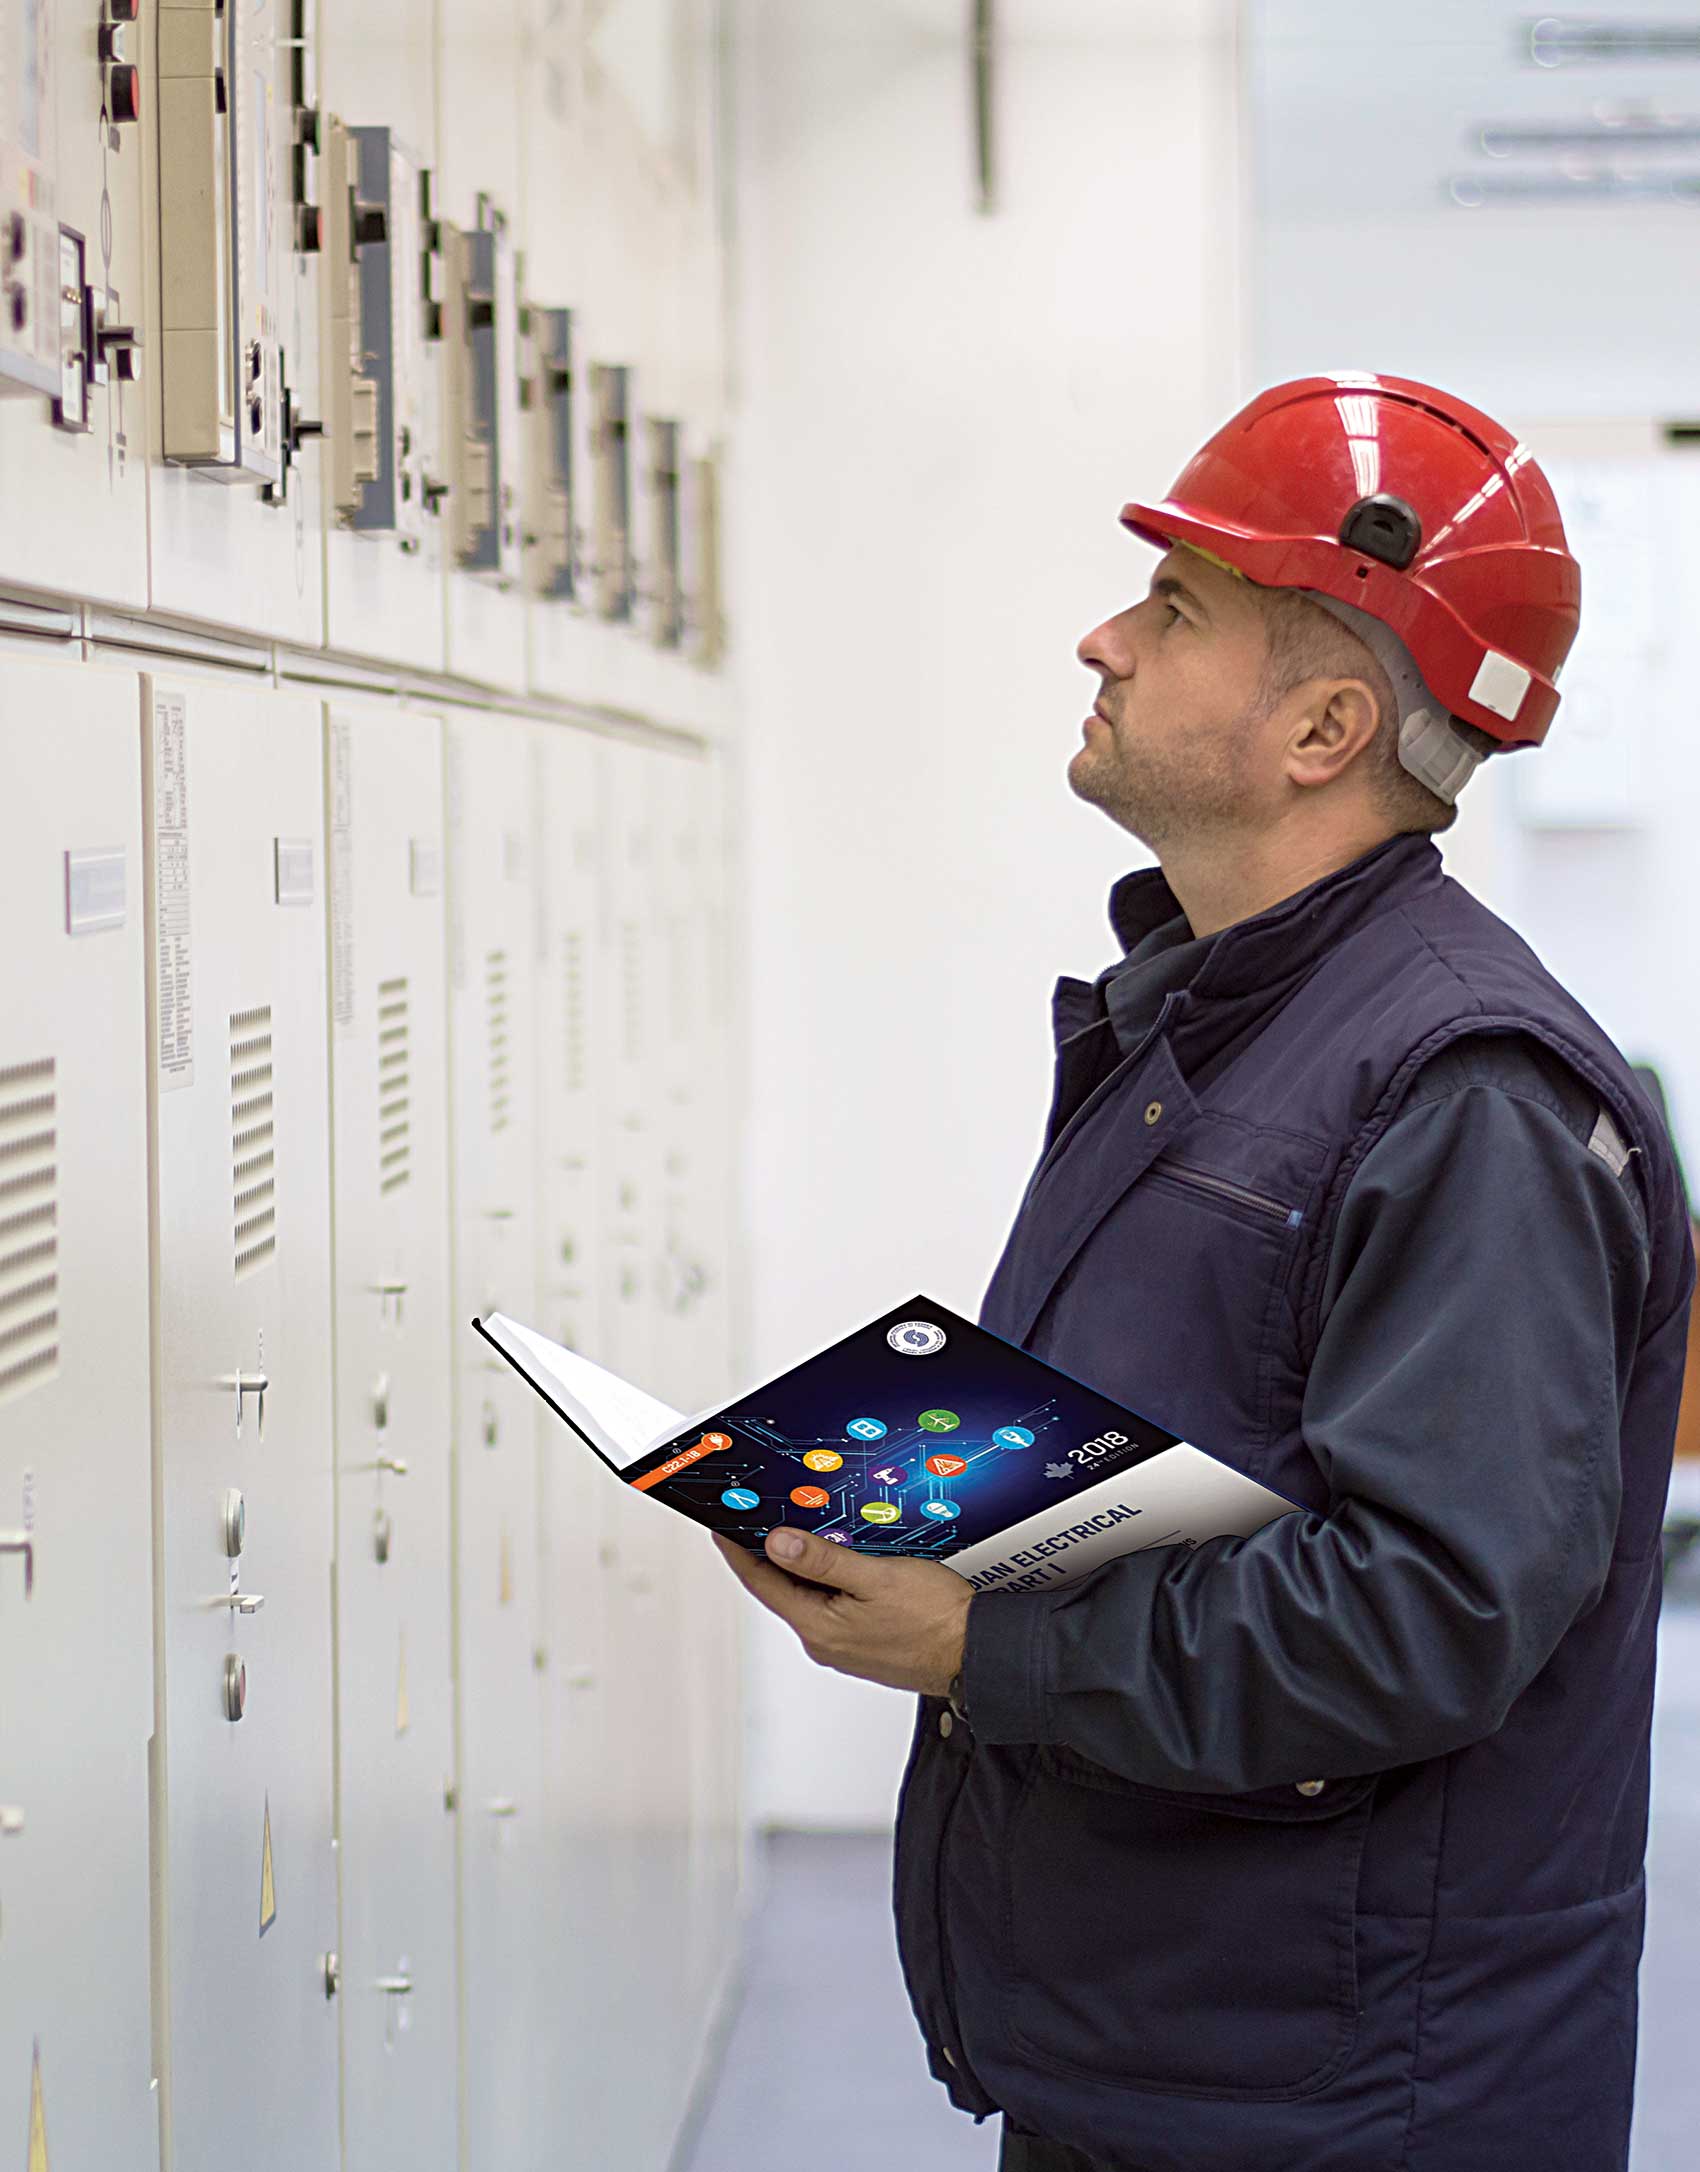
x=425, y=866
x=1500, y=685
x=173, y=953
x=294, y=865
x=342, y=876
x=95, y=891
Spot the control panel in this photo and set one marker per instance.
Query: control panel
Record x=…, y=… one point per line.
x=480, y=325
x=546, y=395
x=238, y=156
x=610, y=552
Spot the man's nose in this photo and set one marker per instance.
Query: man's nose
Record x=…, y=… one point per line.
x=1104, y=650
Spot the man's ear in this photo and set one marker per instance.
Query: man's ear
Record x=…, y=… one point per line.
x=1339, y=719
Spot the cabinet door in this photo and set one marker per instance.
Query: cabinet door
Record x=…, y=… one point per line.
x=395, y=1740
x=506, y=1940
x=76, y=1589
x=243, y=1836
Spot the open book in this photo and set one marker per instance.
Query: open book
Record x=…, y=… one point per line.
x=919, y=1434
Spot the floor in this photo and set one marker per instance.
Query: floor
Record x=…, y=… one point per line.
x=822, y=2065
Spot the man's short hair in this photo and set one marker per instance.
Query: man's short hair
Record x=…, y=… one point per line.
x=1306, y=642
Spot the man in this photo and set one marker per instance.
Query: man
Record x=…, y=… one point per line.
x=1317, y=1851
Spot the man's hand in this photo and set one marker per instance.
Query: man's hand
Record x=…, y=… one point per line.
x=901, y=1623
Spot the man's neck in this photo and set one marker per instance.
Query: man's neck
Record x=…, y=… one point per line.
x=1219, y=881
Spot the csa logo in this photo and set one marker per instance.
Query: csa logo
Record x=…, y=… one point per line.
x=916, y=1338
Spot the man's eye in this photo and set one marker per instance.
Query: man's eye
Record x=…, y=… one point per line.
x=1175, y=617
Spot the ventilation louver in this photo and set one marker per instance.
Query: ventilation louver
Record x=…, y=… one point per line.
x=252, y=1138
x=496, y=1023
x=29, y=1226
x=395, y=1135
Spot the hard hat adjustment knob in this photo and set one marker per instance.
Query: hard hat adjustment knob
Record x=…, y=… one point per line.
x=1383, y=528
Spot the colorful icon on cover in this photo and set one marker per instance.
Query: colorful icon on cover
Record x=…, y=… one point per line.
x=946, y=1466
x=938, y=1421
x=880, y=1512
x=891, y=1474
x=940, y=1509
x=810, y=1497
x=741, y=1498
x=1013, y=1436
x=916, y=1338
x=823, y=1459
x=865, y=1429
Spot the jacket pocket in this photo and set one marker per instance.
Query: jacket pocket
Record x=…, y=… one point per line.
x=1196, y=1944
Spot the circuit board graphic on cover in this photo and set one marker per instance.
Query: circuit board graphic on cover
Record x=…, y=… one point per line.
x=920, y=1434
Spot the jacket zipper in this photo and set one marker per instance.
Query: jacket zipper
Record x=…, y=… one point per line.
x=1201, y=1180
x=955, y=2056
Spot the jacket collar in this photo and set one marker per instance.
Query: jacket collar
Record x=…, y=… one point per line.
x=1286, y=941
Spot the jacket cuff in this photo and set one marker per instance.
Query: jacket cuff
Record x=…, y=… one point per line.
x=1003, y=1666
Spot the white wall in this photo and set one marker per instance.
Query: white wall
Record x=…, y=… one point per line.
x=940, y=415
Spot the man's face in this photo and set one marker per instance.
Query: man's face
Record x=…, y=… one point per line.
x=1171, y=750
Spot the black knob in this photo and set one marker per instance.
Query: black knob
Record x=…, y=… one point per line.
x=120, y=348
x=124, y=11
x=433, y=494
x=371, y=224
x=307, y=127
x=480, y=312
x=433, y=320
x=124, y=95
x=309, y=229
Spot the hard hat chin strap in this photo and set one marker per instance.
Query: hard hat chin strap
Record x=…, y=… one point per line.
x=1431, y=747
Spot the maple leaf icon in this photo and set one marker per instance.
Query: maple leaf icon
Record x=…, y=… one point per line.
x=1059, y=1470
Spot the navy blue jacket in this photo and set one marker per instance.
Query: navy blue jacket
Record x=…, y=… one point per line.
x=1130, y=1915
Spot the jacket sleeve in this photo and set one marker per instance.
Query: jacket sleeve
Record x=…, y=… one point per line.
x=1483, y=1304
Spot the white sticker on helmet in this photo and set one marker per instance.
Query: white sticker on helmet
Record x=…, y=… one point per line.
x=1500, y=685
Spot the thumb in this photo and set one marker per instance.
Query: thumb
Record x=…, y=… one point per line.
x=800, y=1553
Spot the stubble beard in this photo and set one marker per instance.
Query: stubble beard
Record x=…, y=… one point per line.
x=1161, y=796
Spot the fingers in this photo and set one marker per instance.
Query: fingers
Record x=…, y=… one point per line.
x=794, y=1603
x=840, y=1568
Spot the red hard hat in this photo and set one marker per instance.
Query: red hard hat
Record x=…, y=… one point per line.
x=1411, y=505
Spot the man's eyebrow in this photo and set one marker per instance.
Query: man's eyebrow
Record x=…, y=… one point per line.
x=1167, y=587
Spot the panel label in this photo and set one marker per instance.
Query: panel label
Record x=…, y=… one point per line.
x=174, y=956
x=95, y=891
x=424, y=866
x=342, y=876
x=293, y=866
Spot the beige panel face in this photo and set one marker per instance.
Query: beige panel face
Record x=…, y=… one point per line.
x=395, y=1734
x=235, y=198
x=245, y=1870
x=76, y=1683
x=507, y=1948
x=73, y=447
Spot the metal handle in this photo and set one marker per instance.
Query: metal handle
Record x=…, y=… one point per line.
x=397, y=1464
x=504, y=1807
x=246, y=1384
x=388, y=1286
x=239, y=1602
x=397, y=1986
x=20, y=1542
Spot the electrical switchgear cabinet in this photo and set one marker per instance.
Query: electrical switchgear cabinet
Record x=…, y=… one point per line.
x=76, y=1622
x=244, y=1865
x=395, y=1722
x=506, y=1943
x=73, y=440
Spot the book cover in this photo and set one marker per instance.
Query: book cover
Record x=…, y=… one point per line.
x=917, y=1435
